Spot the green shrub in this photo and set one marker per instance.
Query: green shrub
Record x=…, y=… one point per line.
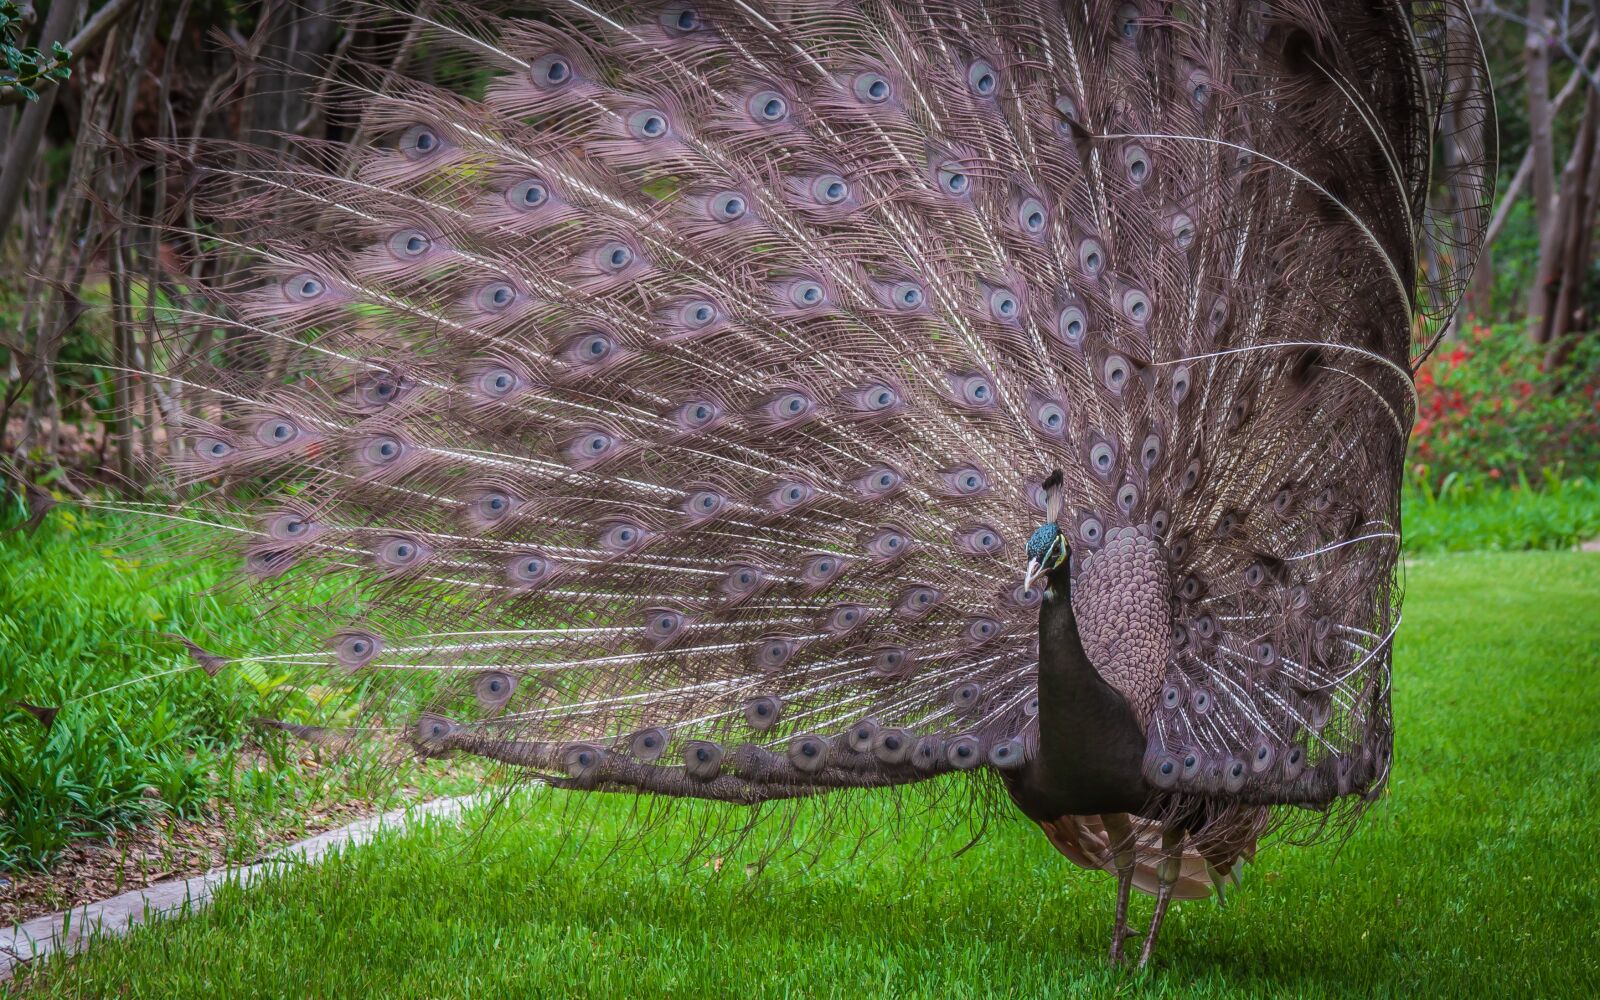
x=1470, y=513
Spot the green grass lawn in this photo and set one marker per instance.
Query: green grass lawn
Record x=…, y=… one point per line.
x=1477, y=876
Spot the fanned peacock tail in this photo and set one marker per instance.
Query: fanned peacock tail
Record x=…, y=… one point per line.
x=666, y=406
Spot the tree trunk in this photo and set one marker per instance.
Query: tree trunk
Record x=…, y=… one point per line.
x=1541, y=142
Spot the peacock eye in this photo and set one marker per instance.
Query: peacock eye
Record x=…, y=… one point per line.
x=1031, y=216
x=551, y=70
x=613, y=257
x=907, y=295
x=830, y=189
x=1138, y=163
x=1101, y=457
x=953, y=180
x=419, y=141
x=1137, y=305
x=278, y=431
x=704, y=504
x=663, y=624
x=967, y=481
x=409, y=243
x=496, y=297
x=496, y=382
x=872, y=88
x=878, y=481
x=1092, y=257
x=1003, y=305
x=1050, y=417
x=886, y=543
x=355, y=649
x=648, y=123
x=768, y=106
x=697, y=315
x=213, y=448
x=304, y=287
x=1150, y=451
x=1128, y=20
x=974, y=390
x=877, y=398
x=379, y=391
x=1180, y=384
x=789, y=407
x=1116, y=373
x=1072, y=323
x=527, y=194
x=726, y=206
x=806, y=294
x=981, y=79
x=847, y=617
x=382, y=450
x=682, y=20
x=400, y=552
x=1183, y=231
x=530, y=567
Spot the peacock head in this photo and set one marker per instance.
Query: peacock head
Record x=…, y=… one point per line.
x=1047, y=546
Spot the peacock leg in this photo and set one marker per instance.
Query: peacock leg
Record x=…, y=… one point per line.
x=1166, y=877
x=1120, y=839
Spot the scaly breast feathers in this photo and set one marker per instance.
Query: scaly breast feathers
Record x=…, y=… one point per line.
x=1122, y=598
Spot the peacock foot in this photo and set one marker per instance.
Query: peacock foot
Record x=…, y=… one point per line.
x=1120, y=936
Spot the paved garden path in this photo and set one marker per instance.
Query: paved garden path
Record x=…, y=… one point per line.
x=70, y=930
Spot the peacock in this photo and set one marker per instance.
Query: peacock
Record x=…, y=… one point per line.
x=746, y=400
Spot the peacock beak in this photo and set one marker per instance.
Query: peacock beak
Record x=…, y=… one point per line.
x=1034, y=571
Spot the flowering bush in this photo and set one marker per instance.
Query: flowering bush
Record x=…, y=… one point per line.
x=1486, y=409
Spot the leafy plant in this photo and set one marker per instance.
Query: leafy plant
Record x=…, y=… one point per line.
x=25, y=66
x=1487, y=409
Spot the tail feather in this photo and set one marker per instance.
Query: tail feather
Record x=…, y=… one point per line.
x=696, y=373
x=1085, y=842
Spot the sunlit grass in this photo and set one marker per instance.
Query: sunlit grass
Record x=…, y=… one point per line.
x=1476, y=875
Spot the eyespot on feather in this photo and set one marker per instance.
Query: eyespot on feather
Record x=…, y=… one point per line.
x=529, y=569
x=622, y=536
x=965, y=481
x=845, y=618
x=649, y=744
x=663, y=626
x=809, y=752
x=1006, y=754
x=871, y=88
x=494, y=688
x=762, y=713
x=419, y=142
x=821, y=569
x=918, y=600
x=979, y=539
x=398, y=553
x=887, y=543
x=702, y=759
x=355, y=649
x=551, y=71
